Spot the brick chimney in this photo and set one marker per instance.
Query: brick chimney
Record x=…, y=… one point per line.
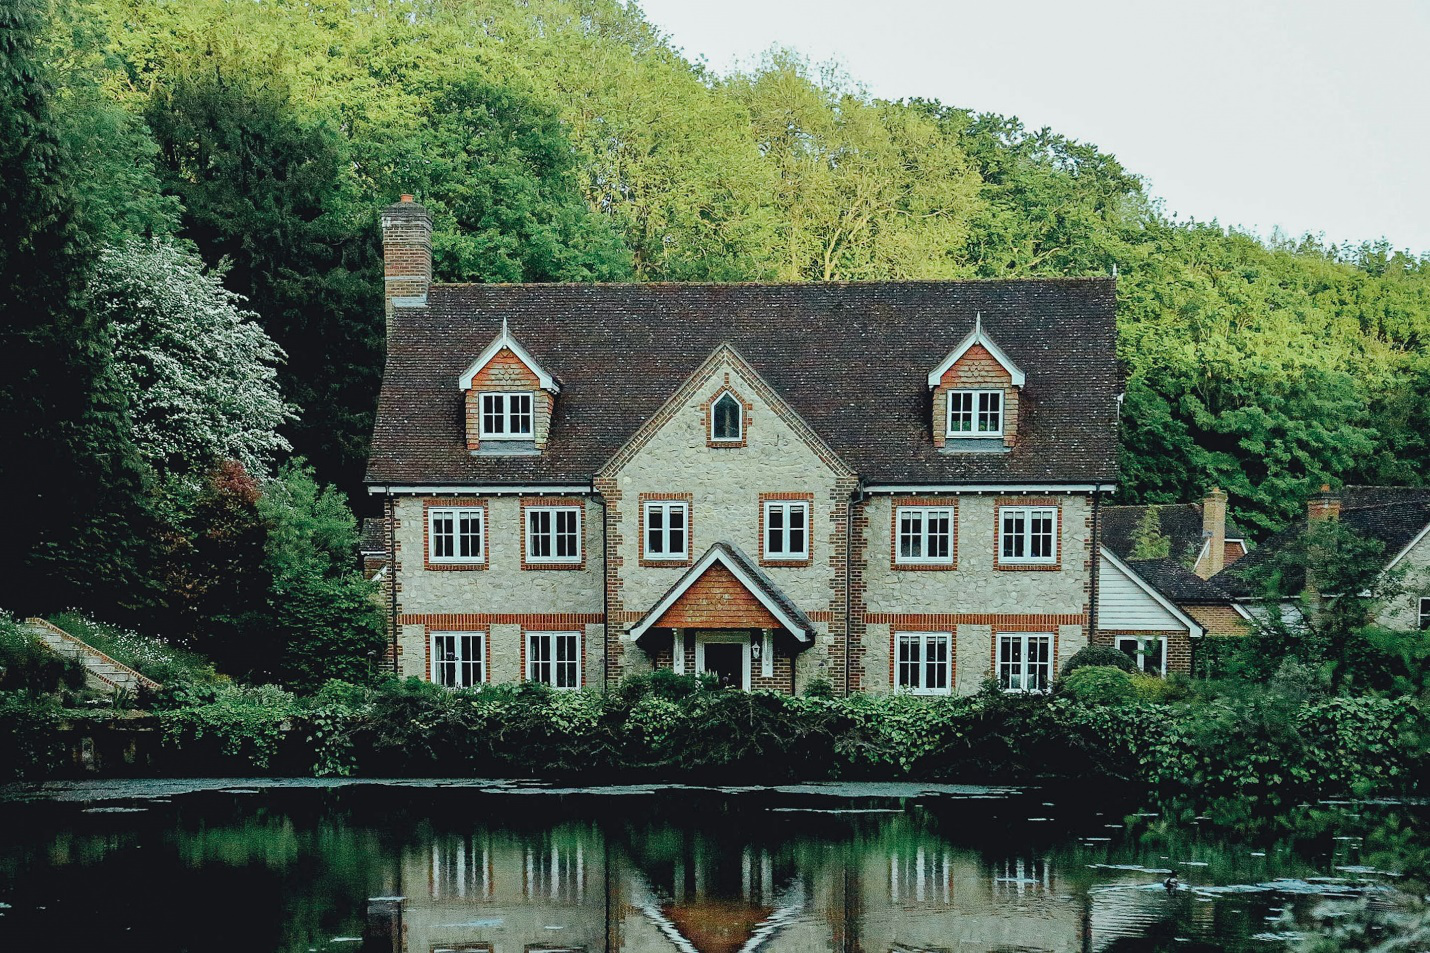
x=1324, y=505
x=1214, y=532
x=406, y=254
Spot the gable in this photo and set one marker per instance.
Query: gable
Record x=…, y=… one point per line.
x=1126, y=602
x=717, y=600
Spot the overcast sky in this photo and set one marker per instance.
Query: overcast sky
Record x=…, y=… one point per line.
x=1310, y=115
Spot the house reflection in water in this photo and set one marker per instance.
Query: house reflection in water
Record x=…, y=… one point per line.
x=661, y=889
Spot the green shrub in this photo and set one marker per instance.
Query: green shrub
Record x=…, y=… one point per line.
x=1100, y=685
x=150, y=656
x=1101, y=655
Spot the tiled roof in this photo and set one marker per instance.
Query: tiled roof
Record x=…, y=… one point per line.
x=374, y=539
x=766, y=586
x=1178, y=583
x=1393, y=515
x=851, y=359
x=1180, y=523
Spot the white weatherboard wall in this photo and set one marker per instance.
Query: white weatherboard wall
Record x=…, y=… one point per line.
x=1124, y=606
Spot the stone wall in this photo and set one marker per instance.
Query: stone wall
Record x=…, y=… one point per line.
x=1404, y=613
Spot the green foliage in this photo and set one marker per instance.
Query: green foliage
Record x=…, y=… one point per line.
x=29, y=741
x=244, y=722
x=1148, y=540
x=28, y=665
x=1102, y=655
x=148, y=655
x=1099, y=685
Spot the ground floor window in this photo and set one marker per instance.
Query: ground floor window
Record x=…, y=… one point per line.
x=458, y=659
x=1425, y=612
x=1149, y=653
x=554, y=658
x=1025, y=662
x=923, y=662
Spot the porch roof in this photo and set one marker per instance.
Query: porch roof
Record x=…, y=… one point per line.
x=706, y=586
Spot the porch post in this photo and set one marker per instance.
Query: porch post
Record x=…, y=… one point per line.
x=678, y=651
x=767, y=653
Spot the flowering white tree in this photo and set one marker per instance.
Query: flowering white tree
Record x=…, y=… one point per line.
x=200, y=375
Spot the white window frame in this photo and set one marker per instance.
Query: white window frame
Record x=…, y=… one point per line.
x=1028, y=514
x=665, y=507
x=981, y=407
x=532, y=535
x=923, y=514
x=508, y=415
x=550, y=663
x=1024, y=640
x=1424, y=606
x=739, y=418
x=473, y=638
x=785, y=507
x=1139, y=657
x=921, y=641
x=741, y=639
x=457, y=515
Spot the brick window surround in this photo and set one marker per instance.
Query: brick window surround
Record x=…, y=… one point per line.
x=808, y=500
x=1014, y=502
x=451, y=504
x=923, y=502
x=688, y=500
x=746, y=418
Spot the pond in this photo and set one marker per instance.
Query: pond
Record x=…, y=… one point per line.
x=505, y=868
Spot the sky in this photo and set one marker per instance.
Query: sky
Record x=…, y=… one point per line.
x=1310, y=116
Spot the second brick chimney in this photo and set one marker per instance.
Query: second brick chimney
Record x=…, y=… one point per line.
x=1214, y=532
x=406, y=254
x=1324, y=505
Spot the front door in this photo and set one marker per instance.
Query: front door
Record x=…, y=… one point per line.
x=726, y=661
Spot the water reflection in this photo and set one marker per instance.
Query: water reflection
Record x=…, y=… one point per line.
x=376, y=869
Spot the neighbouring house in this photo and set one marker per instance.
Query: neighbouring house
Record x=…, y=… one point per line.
x=884, y=486
x=1398, y=517
x=372, y=547
x=1156, y=607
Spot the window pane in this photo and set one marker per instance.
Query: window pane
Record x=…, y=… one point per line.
x=990, y=412
x=774, y=529
x=1041, y=541
x=519, y=408
x=936, y=664
x=1013, y=528
x=442, y=535
x=960, y=411
x=726, y=413
x=567, y=546
x=908, y=669
x=493, y=414
x=470, y=536
x=539, y=543
x=911, y=534
x=938, y=535
x=796, y=528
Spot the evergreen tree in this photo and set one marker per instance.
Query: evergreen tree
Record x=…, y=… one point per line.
x=69, y=475
x=1148, y=540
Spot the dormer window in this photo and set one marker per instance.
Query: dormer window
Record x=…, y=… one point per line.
x=975, y=413
x=506, y=416
x=726, y=419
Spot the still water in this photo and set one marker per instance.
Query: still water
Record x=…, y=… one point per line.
x=500, y=869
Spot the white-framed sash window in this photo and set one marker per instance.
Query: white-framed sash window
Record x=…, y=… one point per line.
x=1028, y=534
x=554, y=658
x=506, y=416
x=1025, y=662
x=925, y=535
x=667, y=529
x=553, y=534
x=1148, y=652
x=456, y=534
x=458, y=659
x=923, y=664
x=975, y=413
x=786, y=529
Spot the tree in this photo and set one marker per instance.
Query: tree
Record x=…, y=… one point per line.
x=1148, y=540
x=69, y=474
x=199, y=375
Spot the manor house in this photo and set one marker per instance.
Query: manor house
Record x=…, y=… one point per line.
x=882, y=485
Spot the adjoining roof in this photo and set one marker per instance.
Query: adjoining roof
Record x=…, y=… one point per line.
x=1396, y=516
x=1180, y=523
x=851, y=359
x=373, y=539
x=749, y=575
x=505, y=341
x=1179, y=583
x=1135, y=572
x=976, y=336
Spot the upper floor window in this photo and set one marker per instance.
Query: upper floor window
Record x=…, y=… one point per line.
x=458, y=658
x=726, y=418
x=975, y=413
x=506, y=416
x=554, y=658
x=1425, y=612
x=456, y=535
x=925, y=535
x=923, y=663
x=553, y=534
x=1028, y=534
x=786, y=529
x=666, y=525
x=1025, y=662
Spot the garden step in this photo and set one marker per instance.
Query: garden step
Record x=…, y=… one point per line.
x=100, y=670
